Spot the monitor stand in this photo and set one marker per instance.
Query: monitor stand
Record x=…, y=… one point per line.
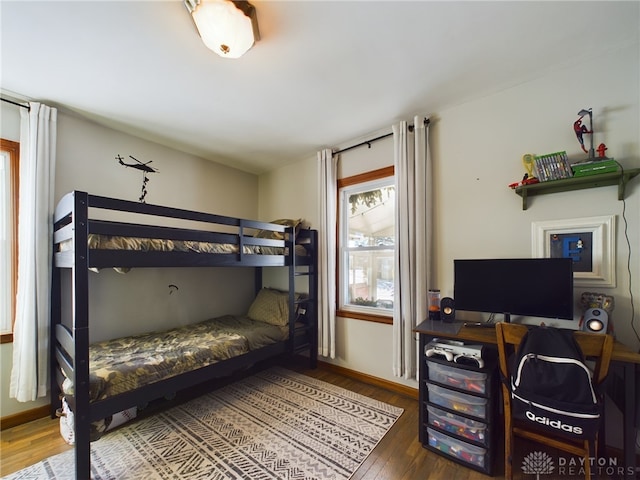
x=507, y=317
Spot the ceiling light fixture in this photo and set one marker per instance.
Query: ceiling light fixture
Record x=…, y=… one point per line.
x=228, y=27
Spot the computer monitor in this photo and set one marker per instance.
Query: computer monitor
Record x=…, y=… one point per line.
x=534, y=287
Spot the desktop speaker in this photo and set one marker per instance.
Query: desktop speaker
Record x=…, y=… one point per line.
x=595, y=320
x=447, y=309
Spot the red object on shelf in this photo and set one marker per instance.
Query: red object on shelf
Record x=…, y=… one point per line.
x=526, y=181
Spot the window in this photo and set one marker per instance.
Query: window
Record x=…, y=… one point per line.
x=9, y=157
x=366, y=246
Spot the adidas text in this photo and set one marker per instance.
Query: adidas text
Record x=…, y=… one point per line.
x=554, y=423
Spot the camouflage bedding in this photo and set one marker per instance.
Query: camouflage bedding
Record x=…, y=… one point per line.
x=128, y=363
x=111, y=242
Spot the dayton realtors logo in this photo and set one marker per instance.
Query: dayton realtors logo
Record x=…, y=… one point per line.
x=540, y=463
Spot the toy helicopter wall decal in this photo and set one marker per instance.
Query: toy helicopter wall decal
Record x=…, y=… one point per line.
x=138, y=165
x=143, y=167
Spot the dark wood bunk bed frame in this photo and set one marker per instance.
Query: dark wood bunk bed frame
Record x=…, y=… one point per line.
x=70, y=339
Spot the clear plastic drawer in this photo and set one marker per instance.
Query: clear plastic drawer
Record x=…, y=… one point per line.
x=475, y=382
x=457, y=425
x=460, y=450
x=459, y=402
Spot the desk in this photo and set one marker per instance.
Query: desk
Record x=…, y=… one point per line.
x=627, y=358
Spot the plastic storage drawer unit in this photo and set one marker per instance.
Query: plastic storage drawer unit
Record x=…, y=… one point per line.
x=458, y=402
x=457, y=425
x=471, y=381
x=460, y=450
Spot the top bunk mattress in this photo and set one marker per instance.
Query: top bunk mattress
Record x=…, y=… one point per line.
x=114, y=242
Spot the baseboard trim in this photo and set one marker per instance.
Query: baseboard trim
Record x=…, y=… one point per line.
x=24, y=417
x=370, y=379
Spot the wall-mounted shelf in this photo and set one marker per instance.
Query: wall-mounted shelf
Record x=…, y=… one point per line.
x=578, y=183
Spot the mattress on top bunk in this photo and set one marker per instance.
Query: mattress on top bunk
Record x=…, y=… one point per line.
x=111, y=242
x=124, y=364
x=114, y=242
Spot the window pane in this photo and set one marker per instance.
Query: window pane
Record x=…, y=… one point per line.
x=371, y=278
x=371, y=217
x=6, y=234
x=368, y=243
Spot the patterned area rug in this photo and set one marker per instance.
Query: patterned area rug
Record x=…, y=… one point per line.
x=276, y=424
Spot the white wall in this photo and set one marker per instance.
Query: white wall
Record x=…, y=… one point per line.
x=477, y=149
x=118, y=306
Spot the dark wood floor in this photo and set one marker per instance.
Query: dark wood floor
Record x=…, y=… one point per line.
x=399, y=456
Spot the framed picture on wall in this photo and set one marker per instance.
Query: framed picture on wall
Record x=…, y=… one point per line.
x=589, y=241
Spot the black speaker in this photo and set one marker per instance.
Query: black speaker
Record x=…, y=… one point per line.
x=595, y=320
x=447, y=309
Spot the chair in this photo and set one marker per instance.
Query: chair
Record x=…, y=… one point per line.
x=593, y=346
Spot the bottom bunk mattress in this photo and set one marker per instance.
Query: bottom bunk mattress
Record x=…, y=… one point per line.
x=128, y=363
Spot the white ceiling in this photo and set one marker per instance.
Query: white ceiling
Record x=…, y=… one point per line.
x=325, y=73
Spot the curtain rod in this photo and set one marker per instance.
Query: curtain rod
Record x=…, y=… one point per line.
x=369, y=142
x=15, y=103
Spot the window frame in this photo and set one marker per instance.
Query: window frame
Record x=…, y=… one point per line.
x=13, y=150
x=379, y=174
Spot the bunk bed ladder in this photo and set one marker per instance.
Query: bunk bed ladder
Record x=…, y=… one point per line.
x=308, y=334
x=312, y=306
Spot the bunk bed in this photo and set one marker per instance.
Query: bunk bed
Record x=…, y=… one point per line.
x=89, y=234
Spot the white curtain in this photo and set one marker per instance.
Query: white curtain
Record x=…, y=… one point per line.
x=413, y=262
x=328, y=171
x=29, y=374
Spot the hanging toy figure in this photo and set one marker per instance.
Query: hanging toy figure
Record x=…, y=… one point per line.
x=581, y=129
x=144, y=167
x=145, y=179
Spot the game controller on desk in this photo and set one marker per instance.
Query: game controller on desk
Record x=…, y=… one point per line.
x=439, y=351
x=456, y=352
